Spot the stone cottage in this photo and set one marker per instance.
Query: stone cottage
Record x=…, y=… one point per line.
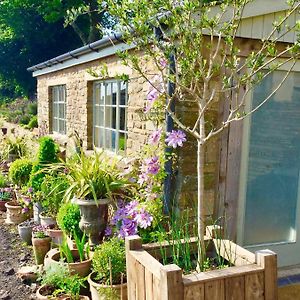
x=243, y=166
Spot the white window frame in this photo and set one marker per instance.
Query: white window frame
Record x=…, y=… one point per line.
x=103, y=85
x=59, y=97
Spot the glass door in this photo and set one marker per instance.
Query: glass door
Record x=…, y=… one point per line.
x=270, y=171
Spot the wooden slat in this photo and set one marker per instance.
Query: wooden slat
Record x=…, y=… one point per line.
x=156, y=289
x=171, y=286
x=193, y=292
x=194, y=278
x=149, y=285
x=291, y=21
x=246, y=27
x=140, y=286
x=215, y=290
x=268, y=260
x=148, y=261
x=131, y=277
x=268, y=25
x=257, y=27
x=233, y=252
x=254, y=286
x=235, y=288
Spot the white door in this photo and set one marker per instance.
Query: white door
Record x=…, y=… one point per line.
x=269, y=200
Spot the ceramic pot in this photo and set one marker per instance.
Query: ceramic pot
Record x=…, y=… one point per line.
x=93, y=220
x=81, y=268
x=14, y=213
x=44, y=292
x=56, y=235
x=106, y=292
x=37, y=210
x=40, y=248
x=47, y=221
x=25, y=232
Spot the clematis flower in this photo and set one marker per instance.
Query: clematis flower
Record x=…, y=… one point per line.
x=129, y=227
x=175, y=138
x=143, y=219
x=163, y=62
x=25, y=210
x=108, y=231
x=155, y=136
x=152, y=165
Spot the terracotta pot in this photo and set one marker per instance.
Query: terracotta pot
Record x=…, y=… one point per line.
x=80, y=268
x=47, y=221
x=25, y=233
x=69, y=298
x=94, y=215
x=2, y=205
x=40, y=248
x=56, y=235
x=14, y=213
x=43, y=292
x=106, y=292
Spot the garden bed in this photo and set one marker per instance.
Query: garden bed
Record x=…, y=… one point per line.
x=253, y=276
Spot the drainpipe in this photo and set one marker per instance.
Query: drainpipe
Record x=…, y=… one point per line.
x=168, y=150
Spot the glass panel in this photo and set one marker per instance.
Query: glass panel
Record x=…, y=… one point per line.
x=108, y=94
x=101, y=137
x=110, y=139
x=113, y=117
x=96, y=137
x=123, y=118
x=61, y=112
x=108, y=116
x=114, y=93
x=274, y=165
x=97, y=94
x=123, y=98
x=102, y=93
x=122, y=140
x=61, y=126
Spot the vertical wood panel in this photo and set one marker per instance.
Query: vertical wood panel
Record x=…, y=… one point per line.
x=235, y=288
x=131, y=277
x=254, y=286
x=246, y=27
x=290, y=22
x=171, y=285
x=193, y=292
x=268, y=25
x=257, y=27
x=156, y=289
x=215, y=290
x=149, y=285
x=140, y=287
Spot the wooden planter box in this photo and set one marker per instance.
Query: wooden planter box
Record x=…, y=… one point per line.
x=253, y=276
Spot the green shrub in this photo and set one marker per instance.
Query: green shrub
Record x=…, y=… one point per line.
x=24, y=120
x=19, y=171
x=36, y=177
x=110, y=254
x=32, y=109
x=48, y=150
x=68, y=219
x=33, y=123
x=3, y=181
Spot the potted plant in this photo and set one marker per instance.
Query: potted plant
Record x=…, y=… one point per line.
x=6, y=194
x=92, y=180
x=108, y=279
x=25, y=231
x=18, y=210
x=58, y=283
x=19, y=171
x=77, y=260
x=68, y=219
x=53, y=189
x=41, y=243
x=14, y=147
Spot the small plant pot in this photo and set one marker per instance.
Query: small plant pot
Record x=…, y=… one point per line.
x=14, y=213
x=45, y=293
x=69, y=298
x=47, y=221
x=106, y=292
x=81, y=268
x=25, y=231
x=56, y=235
x=40, y=248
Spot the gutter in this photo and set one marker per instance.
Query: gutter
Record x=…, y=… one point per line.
x=74, y=54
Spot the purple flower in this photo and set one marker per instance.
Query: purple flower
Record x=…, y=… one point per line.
x=25, y=210
x=155, y=136
x=108, y=231
x=143, y=219
x=131, y=207
x=143, y=177
x=152, y=165
x=66, y=171
x=152, y=95
x=175, y=138
x=30, y=190
x=163, y=62
x=129, y=227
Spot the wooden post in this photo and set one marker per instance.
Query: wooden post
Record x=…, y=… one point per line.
x=267, y=259
x=171, y=284
x=132, y=243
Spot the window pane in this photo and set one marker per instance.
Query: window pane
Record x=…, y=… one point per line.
x=123, y=98
x=99, y=115
x=61, y=126
x=61, y=112
x=97, y=94
x=114, y=118
x=96, y=137
x=110, y=139
x=108, y=116
x=102, y=97
x=123, y=118
x=122, y=140
x=114, y=93
x=108, y=94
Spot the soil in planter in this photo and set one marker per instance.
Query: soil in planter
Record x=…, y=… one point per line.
x=13, y=255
